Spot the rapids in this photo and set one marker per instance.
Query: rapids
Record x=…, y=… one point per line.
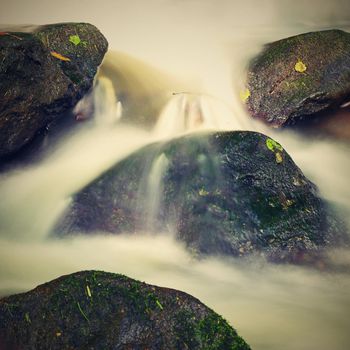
x=184, y=66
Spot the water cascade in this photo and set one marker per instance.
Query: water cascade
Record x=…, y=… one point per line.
x=187, y=112
x=206, y=46
x=154, y=191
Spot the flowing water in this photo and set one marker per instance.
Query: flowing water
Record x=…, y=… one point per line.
x=194, y=55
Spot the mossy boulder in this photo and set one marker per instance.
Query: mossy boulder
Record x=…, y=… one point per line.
x=42, y=76
x=295, y=79
x=99, y=310
x=234, y=193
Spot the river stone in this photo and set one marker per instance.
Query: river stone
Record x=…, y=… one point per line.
x=42, y=76
x=294, y=79
x=99, y=310
x=233, y=193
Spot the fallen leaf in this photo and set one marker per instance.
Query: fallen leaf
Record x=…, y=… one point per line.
x=203, y=192
x=88, y=291
x=300, y=66
x=279, y=158
x=159, y=304
x=244, y=95
x=27, y=317
x=59, y=56
x=273, y=145
x=74, y=39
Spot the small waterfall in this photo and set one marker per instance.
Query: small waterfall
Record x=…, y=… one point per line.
x=154, y=190
x=107, y=109
x=188, y=112
x=100, y=104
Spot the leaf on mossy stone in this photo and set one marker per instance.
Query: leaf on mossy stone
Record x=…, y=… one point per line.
x=244, y=95
x=59, y=56
x=74, y=39
x=203, y=192
x=279, y=158
x=273, y=145
x=26, y=316
x=300, y=66
x=159, y=304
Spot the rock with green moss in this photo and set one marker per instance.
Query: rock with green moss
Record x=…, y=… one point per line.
x=42, y=76
x=99, y=310
x=233, y=193
x=293, y=80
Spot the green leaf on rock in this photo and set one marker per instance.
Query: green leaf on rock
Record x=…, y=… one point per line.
x=273, y=145
x=203, y=192
x=74, y=39
x=26, y=316
x=88, y=291
x=159, y=304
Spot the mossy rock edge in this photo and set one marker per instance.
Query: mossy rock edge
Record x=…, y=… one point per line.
x=100, y=310
x=296, y=79
x=43, y=74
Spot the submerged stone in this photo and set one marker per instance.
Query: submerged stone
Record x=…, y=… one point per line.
x=99, y=310
x=42, y=76
x=294, y=79
x=234, y=193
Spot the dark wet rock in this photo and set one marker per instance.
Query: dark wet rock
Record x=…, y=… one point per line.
x=296, y=78
x=99, y=310
x=42, y=76
x=234, y=193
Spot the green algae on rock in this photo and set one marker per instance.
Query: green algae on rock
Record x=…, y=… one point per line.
x=294, y=79
x=117, y=313
x=42, y=76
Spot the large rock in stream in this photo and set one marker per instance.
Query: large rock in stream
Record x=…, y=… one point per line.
x=42, y=76
x=99, y=310
x=293, y=80
x=233, y=193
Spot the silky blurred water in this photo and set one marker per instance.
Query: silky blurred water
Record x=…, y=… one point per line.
x=183, y=61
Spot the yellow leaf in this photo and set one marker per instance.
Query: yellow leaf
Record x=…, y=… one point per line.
x=59, y=56
x=203, y=192
x=279, y=158
x=244, y=95
x=300, y=66
x=88, y=291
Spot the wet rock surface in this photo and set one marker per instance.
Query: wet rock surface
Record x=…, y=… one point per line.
x=295, y=79
x=99, y=310
x=42, y=76
x=233, y=193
